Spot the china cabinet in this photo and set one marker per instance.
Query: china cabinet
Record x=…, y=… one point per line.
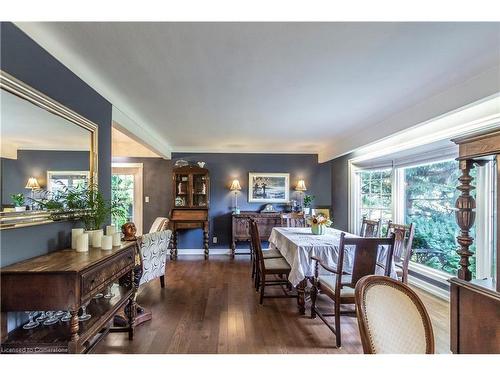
x=191, y=199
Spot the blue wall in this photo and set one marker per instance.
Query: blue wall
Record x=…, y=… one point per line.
x=22, y=58
x=226, y=167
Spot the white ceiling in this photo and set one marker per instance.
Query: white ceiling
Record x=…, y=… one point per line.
x=24, y=126
x=269, y=87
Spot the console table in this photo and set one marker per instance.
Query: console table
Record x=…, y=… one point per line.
x=241, y=226
x=65, y=280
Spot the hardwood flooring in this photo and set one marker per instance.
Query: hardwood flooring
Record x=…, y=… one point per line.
x=212, y=307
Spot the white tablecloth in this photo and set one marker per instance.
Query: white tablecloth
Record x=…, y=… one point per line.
x=298, y=245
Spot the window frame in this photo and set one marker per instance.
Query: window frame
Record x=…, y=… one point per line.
x=398, y=167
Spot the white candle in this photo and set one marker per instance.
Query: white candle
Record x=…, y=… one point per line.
x=117, y=239
x=97, y=238
x=107, y=242
x=74, y=235
x=82, y=242
x=110, y=230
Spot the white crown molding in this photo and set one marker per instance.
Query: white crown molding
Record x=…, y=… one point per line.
x=229, y=150
x=404, y=125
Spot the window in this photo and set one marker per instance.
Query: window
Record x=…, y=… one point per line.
x=122, y=191
x=58, y=180
x=422, y=189
x=375, y=194
x=429, y=200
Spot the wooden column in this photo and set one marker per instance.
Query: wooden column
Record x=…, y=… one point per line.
x=465, y=216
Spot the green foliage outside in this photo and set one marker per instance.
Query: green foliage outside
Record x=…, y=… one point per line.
x=430, y=194
x=122, y=194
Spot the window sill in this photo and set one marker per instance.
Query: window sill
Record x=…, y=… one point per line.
x=440, y=287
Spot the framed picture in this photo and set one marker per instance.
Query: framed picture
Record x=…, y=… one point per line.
x=268, y=187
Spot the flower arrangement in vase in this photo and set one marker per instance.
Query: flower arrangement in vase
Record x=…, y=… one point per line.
x=318, y=224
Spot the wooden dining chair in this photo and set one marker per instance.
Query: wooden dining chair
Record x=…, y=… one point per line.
x=369, y=228
x=391, y=317
x=268, y=253
x=267, y=267
x=339, y=285
x=293, y=219
x=402, y=247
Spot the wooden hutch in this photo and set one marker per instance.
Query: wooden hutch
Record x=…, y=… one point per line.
x=475, y=304
x=191, y=199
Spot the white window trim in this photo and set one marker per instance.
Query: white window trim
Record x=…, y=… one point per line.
x=483, y=223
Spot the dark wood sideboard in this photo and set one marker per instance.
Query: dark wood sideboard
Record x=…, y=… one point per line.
x=65, y=280
x=475, y=304
x=241, y=226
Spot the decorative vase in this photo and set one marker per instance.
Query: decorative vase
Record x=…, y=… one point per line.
x=307, y=210
x=318, y=229
x=20, y=208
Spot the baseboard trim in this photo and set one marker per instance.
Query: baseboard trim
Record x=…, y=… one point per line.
x=202, y=252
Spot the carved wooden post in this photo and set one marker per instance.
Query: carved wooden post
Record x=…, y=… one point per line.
x=465, y=216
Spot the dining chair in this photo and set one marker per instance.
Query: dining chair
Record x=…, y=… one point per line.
x=293, y=219
x=391, y=317
x=369, y=228
x=268, y=253
x=402, y=247
x=267, y=267
x=338, y=285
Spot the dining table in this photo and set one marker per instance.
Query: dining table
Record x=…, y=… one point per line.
x=298, y=245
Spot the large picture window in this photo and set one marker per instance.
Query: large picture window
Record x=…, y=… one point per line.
x=429, y=200
x=375, y=188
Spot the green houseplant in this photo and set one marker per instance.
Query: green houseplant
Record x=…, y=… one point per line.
x=94, y=209
x=307, y=202
x=19, y=201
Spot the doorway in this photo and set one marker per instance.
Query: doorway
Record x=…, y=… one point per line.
x=127, y=185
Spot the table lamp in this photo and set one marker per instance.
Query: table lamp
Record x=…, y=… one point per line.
x=33, y=185
x=236, y=187
x=301, y=187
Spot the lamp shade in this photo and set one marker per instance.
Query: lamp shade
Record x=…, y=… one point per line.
x=235, y=185
x=301, y=186
x=32, y=184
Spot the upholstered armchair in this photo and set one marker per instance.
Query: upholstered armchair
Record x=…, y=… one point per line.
x=392, y=318
x=160, y=223
x=153, y=249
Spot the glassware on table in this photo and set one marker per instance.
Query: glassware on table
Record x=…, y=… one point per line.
x=32, y=322
x=41, y=317
x=66, y=317
x=59, y=313
x=109, y=293
x=85, y=315
x=98, y=295
x=51, y=318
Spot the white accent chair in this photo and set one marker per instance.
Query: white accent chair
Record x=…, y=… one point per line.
x=160, y=223
x=391, y=317
x=154, y=249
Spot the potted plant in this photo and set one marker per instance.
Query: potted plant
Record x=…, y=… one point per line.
x=94, y=209
x=308, y=199
x=19, y=203
x=319, y=224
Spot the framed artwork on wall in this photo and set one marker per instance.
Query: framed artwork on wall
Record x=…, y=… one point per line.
x=268, y=187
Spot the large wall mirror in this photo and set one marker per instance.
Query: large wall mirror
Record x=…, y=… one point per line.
x=46, y=151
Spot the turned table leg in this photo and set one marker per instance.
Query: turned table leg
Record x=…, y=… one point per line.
x=173, y=250
x=301, y=296
x=205, y=241
x=73, y=329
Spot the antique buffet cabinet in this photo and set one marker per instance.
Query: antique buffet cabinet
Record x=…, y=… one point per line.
x=191, y=199
x=475, y=304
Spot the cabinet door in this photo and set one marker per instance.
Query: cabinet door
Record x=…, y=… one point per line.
x=200, y=191
x=241, y=228
x=181, y=189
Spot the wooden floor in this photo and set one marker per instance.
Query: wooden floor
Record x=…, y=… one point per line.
x=211, y=307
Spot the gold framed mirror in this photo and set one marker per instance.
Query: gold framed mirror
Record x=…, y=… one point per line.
x=45, y=147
